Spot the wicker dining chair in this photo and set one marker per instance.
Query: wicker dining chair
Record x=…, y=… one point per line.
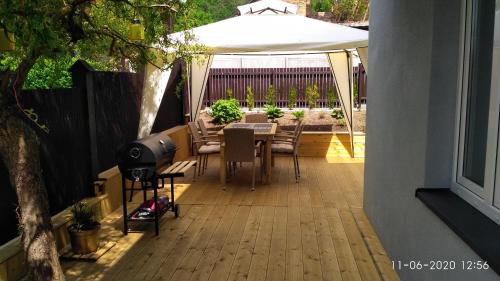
x=239, y=146
x=204, y=131
x=204, y=146
x=256, y=118
x=289, y=145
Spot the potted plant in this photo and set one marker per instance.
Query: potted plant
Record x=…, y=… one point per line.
x=84, y=231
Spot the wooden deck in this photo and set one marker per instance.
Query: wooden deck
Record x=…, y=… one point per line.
x=313, y=230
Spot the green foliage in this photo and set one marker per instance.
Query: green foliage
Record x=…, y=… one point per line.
x=321, y=5
x=250, y=98
x=322, y=115
x=273, y=112
x=350, y=10
x=229, y=93
x=331, y=98
x=298, y=114
x=341, y=122
x=312, y=95
x=338, y=114
x=47, y=73
x=208, y=11
x=292, y=97
x=226, y=111
x=271, y=95
x=83, y=217
x=57, y=32
x=355, y=92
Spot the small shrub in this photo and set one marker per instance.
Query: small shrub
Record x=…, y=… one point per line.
x=273, y=112
x=322, y=115
x=83, y=217
x=312, y=95
x=292, y=98
x=341, y=122
x=250, y=98
x=331, y=99
x=271, y=95
x=338, y=114
x=226, y=111
x=229, y=93
x=299, y=114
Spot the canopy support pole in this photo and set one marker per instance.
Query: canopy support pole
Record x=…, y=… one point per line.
x=341, y=66
x=199, y=70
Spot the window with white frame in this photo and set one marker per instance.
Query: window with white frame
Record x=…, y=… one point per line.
x=477, y=173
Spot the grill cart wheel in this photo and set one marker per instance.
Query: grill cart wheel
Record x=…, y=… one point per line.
x=177, y=210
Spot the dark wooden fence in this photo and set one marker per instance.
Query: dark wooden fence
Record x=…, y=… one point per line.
x=87, y=125
x=237, y=79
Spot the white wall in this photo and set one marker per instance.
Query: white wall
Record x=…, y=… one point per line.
x=410, y=130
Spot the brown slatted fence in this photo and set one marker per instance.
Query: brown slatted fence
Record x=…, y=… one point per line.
x=237, y=79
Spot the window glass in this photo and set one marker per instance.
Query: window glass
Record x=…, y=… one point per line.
x=478, y=92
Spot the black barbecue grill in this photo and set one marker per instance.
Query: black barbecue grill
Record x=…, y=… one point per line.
x=140, y=159
x=148, y=161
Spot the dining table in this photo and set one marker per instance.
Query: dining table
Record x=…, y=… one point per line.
x=264, y=132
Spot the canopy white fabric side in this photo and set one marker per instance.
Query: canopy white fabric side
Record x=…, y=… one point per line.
x=268, y=7
x=275, y=33
x=267, y=35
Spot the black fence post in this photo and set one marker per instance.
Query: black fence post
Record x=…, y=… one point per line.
x=82, y=74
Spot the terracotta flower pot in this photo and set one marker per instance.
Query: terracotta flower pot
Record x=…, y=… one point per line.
x=84, y=241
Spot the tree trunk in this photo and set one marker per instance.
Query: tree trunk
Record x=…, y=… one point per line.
x=19, y=150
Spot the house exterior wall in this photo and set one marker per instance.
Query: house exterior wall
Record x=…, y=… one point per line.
x=414, y=62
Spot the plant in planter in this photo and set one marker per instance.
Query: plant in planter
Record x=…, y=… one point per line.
x=312, y=95
x=341, y=122
x=84, y=232
x=331, y=99
x=273, y=112
x=250, y=98
x=338, y=114
x=299, y=114
x=271, y=96
x=292, y=98
x=229, y=93
x=322, y=115
x=226, y=111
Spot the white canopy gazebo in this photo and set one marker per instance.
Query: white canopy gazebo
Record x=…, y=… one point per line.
x=261, y=35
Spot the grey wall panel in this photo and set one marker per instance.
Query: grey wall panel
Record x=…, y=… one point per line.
x=410, y=130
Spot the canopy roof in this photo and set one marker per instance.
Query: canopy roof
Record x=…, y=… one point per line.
x=275, y=33
x=268, y=7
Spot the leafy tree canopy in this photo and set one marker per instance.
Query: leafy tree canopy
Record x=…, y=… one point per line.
x=57, y=32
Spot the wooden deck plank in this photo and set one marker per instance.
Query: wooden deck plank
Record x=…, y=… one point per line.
x=240, y=268
x=159, y=248
x=227, y=255
x=277, y=253
x=310, y=251
x=366, y=267
x=168, y=264
x=294, y=264
x=378, y=253
x=211, y=252
x=188, y=263
x=328, y=256
x=311, y=230
x=347, y=264
x=260, y=255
